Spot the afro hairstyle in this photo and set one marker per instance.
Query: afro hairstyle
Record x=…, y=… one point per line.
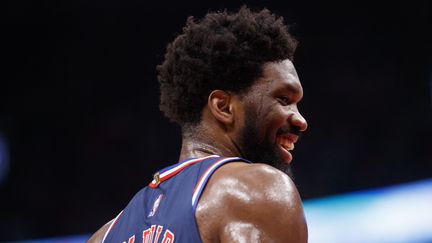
x=223, y=51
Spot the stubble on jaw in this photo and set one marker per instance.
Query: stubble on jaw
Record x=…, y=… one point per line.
x=260, y=150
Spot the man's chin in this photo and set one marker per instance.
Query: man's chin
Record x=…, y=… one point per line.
x=279, y=163
x=275, y=160
x=282, y=161
x=285, y=168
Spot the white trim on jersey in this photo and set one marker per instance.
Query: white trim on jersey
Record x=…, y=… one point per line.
x=180, y=167
x=113, y=222
x=201, y=183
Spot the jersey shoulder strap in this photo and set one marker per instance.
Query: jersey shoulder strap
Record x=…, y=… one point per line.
x=210, y=167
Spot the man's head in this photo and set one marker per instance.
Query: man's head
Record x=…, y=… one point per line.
x=223, y=51
x=244, y=56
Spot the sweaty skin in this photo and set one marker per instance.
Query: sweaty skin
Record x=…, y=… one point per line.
x=249, y=202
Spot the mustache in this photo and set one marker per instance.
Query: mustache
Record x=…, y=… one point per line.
x=289, y=129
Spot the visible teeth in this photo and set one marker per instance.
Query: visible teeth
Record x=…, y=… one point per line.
x=291, y=147
x=286, y=143
x=288, y=146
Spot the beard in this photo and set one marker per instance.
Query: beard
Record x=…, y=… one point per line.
x=260, y=150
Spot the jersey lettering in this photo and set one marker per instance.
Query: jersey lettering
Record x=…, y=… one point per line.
x=158, y=232
x=148, y=234
x=168, y=237
x=131, y=239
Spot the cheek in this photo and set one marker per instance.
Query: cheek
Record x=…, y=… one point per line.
x=272, y=119
x=275, y=114
x=266, y=115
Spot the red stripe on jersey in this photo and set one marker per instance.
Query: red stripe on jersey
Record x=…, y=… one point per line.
x=177, y=169
x=204, y=174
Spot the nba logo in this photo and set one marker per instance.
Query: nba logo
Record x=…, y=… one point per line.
x=155, y=206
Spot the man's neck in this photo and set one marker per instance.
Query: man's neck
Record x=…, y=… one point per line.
x=203, y=142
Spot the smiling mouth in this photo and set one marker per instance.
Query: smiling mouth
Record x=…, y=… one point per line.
x=286, y=144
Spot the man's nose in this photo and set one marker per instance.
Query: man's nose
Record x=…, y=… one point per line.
x=299, y=121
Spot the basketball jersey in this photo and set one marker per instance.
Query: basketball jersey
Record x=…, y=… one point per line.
x=164, y=211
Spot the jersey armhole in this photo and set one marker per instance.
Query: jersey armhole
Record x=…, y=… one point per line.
x=199, y=187
x=113, y=222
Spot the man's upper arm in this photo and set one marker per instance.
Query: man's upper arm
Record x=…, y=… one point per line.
x=251, y=203
x=98, y=235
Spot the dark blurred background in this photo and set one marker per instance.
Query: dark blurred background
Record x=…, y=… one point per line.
x=81, y=132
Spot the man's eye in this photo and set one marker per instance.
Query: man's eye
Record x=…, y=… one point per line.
x=284, y=100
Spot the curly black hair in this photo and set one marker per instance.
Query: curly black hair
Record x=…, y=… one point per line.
x=222, y=51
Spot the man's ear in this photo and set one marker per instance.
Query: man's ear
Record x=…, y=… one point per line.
x=220, y=105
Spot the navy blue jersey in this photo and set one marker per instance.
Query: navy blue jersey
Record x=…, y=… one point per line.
x=164, y=211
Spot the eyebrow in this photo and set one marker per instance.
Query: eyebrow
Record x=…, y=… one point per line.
x=296, y=89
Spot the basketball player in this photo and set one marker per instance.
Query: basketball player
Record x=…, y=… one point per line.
x=229, y=82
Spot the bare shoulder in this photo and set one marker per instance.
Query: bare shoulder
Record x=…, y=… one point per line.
x=98, y=235
x=252, y=203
